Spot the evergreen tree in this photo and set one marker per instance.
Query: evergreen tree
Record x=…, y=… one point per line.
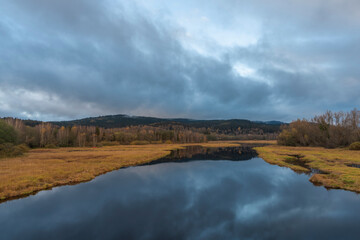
x=7, y=133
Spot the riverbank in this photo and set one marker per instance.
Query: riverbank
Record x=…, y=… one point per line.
x=41, y=169
x=332, y=168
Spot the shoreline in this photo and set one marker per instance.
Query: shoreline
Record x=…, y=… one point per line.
x=332, y=168
x=44, y=169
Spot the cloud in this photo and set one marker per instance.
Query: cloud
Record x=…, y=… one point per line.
x=65, y=59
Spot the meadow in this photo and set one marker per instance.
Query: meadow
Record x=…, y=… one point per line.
x=43, y=168
x=337, y=168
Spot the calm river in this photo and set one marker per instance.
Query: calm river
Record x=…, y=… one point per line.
x=202, y=194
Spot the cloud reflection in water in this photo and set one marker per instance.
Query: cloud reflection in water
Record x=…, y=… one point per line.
x=187, y=200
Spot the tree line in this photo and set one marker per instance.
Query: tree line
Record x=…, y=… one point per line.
x=17, y=136
x=47, y=135
x=330, y=130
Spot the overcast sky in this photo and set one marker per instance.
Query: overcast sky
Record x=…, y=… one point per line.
x=204, y=59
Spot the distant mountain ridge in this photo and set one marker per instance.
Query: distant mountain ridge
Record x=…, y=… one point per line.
x=122, y=120
x=273, y=122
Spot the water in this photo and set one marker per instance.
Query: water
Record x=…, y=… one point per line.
x=207, y=199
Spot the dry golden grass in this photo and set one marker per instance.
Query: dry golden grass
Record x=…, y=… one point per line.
x=45, y=168
x=334, y=162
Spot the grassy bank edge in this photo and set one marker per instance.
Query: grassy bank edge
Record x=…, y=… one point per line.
x=17, y=182
x=334, y=163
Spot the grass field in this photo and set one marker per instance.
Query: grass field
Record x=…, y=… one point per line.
x=340, y=168
x=42, y=169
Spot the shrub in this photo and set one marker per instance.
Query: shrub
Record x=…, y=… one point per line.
x=211, y=137
x=355, y=146
x=109, y=143
x=23, y=147
x=50, y=145
x=9, y=150
x=288, y=137
x=139, y=142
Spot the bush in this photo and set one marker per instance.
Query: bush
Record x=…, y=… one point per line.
x=211, y=137
x=139, y=142
x=23, y=147
x=51, y=145
x=9, y=150
x=109, y=143
x=288, y=137
x=355, y=146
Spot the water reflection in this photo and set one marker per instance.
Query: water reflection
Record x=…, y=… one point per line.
x=192, y=153
x=187, y=200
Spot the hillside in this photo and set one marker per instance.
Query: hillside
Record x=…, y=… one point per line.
x=121, y=120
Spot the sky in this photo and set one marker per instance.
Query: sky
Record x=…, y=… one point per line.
x=204, y=59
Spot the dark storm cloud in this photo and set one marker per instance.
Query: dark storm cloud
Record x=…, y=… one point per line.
x=68, y=59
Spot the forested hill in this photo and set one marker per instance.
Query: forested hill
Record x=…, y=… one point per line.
x=119, y=121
